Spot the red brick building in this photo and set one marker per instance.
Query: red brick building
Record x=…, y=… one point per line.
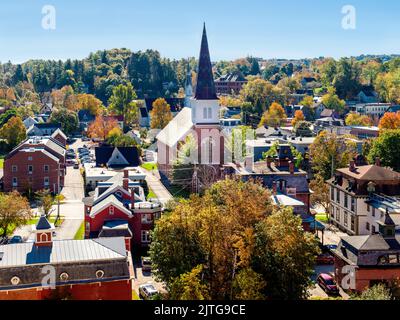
x=363, y=261
x=94, y=269
x=118, y=208
x=230, y=83
x=36, y=164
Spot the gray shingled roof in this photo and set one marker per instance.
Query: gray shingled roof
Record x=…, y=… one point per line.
x=43, y=224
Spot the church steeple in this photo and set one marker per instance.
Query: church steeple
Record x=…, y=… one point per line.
x=188, y=86
x=205, y=89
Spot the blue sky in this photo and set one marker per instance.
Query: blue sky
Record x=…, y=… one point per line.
x=236, y=28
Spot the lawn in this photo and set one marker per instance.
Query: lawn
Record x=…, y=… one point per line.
x=79, y=235
x=2, y=161
x=322, y=217
x=149, y=166
x=51, y=220
x=151, y=194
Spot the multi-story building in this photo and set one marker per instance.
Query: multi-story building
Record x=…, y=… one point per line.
x=92, y=269
x=118, y=207
x=360, y=196
x=372, y=109
x=230, y=83
x=36, y=164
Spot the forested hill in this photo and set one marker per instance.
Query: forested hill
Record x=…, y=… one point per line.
x=150, y=74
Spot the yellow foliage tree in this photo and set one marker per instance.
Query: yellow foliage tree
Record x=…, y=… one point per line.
x=161, y=114
x=298, y=116
x=274, y=117
x=390, y=120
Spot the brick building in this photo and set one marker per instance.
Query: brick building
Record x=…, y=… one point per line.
x=93, y=269
x=36, y=164
x=118, y=207
x=230, y=83
x=360, y=196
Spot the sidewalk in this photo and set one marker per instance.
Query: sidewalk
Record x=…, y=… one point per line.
x=154, y=183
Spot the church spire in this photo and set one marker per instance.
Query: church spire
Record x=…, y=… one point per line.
x=205, y=89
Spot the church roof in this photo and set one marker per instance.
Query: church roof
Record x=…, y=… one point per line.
x=43, y=224
x=177, y=128
x=205, y=88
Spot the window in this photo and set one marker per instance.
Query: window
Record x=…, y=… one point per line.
x=373, y=230
x=337, y=214
x=346, y=200
x=345, y=219
x=368, y=208
x=352, y=223
x=15, y=182
x=393, y=258
x=46, y=182
x=43, y=237
x=337, y=195
x=111, y=210
x=353, y=204
x=207, y=113
x=14, y=168
x=373, y=212
x=46, y=168
x=147, y=218
x=146, y=236
x=30, y=169
x=332, y=194
x=332, y=212
x=367, y=226
x=30, y=159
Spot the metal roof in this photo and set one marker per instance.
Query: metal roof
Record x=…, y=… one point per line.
x=63, y=251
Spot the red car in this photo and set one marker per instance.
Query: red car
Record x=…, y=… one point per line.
x=325, y=258
x=327, y=284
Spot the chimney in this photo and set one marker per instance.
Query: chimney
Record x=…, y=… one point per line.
x=352, y=166
x=132, y=198
x=126, y=180
x=378, y=161
x=274, y=188
x=291, y=167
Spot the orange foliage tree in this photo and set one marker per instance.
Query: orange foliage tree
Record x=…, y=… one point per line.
x=101, y=127
x=390, y=120
x=298, y=116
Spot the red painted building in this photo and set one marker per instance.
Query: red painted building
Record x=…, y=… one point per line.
x=118, y=208
x=94, y=269
x=36, y=164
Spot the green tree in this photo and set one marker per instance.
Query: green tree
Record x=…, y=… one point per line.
x=387, y=148
x=332, y=101
x=248, y=285
x=377, y=292
x=329, y=152
x=68, y=119
x=122, y=102
x=285, y=255
x=189, y=286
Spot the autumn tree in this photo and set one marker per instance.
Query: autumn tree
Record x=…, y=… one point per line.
x=101, y=127
x=46, y=201
x=285, y=255
x=218, y=231
x=329, y=152
x=14, y=211
x=14, y=132
x=390, y=120
x=274, y=117
x=303, y=129
x=89, y=102
x=122, y=102
x=308, y=101
x=298, y=116
x=386, y=147
x=332, y=101
x=189, y=286
x=355, y=119
x=320, y=196
x=161, y=114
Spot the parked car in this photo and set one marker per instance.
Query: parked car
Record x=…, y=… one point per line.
x=16, y=239
x=326, y=282
x=146, y=264
x=147, y=291
x=76, y=165
x=325, y=258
